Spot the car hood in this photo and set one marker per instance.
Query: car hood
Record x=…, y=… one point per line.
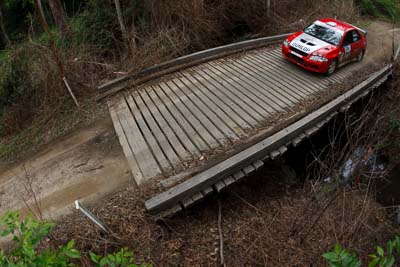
x=309, y=44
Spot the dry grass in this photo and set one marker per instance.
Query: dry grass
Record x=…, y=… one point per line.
x=165, y=30
x=264, y=222
x=268, y=220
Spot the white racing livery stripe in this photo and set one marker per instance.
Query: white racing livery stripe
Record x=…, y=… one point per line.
x=308, y=44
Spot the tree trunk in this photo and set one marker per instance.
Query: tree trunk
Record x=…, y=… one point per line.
x=3, y=32
x=60, y=18
x=120, y=18
x=43, y=21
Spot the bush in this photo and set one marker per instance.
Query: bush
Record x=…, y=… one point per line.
x=97, y=25
x=122, y=258
x=29, y=84
x=26, y=235
x=16, y=81
x=341, y=257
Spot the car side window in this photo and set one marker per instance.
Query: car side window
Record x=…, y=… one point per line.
x=348, y=39
x=356, y=36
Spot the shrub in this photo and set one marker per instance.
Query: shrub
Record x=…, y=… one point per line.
x=122, y=258
x=26, y=235
x=29, y=83
x=97, y=25
x=16, y=81
x=341, y=257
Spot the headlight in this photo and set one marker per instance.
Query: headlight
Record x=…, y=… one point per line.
x=286, y=43
x=318, y=58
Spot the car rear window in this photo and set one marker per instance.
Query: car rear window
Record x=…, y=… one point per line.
x=324, y=33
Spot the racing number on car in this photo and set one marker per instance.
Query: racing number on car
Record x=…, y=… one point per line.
x=347, y=52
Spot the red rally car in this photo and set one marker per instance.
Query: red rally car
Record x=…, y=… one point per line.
x=325, y=45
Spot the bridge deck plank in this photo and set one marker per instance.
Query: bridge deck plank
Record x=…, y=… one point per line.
x=266, y=88
x=226, y=124
x=277, y=77
x=170, y=137
x=191, y=118
x=238, y=96
x=270, y=77
x=176, y=128
x=269, y=103
x=223, y=99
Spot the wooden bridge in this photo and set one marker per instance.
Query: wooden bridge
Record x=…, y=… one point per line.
x=197, y=124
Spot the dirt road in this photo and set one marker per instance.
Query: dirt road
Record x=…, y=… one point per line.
x=89, y=163
x=85, y=164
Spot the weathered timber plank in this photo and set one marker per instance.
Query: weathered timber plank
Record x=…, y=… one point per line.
x=147, y=134
x=236, y=95
x=207, y=191
x=269, y=84
x=202, y=125
x=308, y=78
x=181, y=119
x=226, y=113
x=245, y=157
x=270, y=99
x=194, y=94
x=276, y=75
x=224, y=98
x=143, y=156
x=252, y=96
x=133, y=165
x=181, y=135
x=161, y=139
x=296, y=77
x=280, y=60
x=229, y=180
x=238, y=176
x=169, y=133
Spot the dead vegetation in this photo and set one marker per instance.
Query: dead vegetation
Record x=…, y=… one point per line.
x=270, y=219
x=161, y=30
x=264, y=222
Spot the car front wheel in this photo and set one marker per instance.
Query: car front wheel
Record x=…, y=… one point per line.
x=332, y=67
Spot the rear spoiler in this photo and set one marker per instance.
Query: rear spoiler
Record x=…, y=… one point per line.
x=364, y=32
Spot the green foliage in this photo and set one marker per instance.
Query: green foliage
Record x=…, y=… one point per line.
x=26, y=235
x=96, y=25
x=122, y=258
x=17, y=3
x=385, y=259
x=18, y=67
x=15, y=74
x=381, y=9
x=341, y=257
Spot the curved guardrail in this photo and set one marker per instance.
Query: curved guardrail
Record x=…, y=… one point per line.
x=168, y=67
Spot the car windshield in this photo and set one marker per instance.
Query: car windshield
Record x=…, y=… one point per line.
x=324, y=33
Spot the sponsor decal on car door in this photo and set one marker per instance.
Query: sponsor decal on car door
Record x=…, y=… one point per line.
x=347, y=53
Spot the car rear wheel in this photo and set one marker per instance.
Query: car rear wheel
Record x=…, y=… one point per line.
x=332, y=67
x=360, y=56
